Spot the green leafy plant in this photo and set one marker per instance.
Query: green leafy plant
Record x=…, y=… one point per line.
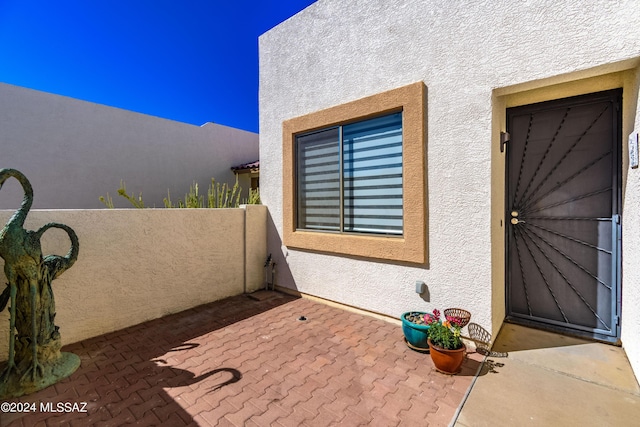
x=444, y=334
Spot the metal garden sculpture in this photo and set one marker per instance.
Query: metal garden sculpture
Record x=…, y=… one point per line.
x=35, y=360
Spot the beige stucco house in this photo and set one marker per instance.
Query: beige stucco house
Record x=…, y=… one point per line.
x=74, y=151
x=480, y=147
x=248, y=175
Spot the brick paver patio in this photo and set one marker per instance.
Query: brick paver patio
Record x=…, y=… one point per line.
x=245, y=362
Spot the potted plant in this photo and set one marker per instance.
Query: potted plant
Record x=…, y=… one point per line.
x=415, y=326
x=445, y=342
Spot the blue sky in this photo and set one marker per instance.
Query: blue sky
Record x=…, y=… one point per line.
x=188, y=60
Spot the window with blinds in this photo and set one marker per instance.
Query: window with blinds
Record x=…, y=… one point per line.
x=349, y=178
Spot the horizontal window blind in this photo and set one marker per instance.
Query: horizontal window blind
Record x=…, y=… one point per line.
x=349, y=178
x=372, y=175
x=318, y=177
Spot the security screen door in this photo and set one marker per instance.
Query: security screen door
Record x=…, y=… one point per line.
x=563, y=218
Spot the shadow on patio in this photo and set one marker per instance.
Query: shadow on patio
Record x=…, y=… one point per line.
x=242, y=361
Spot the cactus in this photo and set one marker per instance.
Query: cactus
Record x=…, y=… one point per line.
x=218, y=196
x=137, y=203
x=108, y=201
x=221, y=196
x=254, y=197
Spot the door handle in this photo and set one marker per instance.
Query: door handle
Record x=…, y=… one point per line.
x=514, y=218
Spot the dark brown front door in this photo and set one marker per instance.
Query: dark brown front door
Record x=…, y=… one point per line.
x=563, y=215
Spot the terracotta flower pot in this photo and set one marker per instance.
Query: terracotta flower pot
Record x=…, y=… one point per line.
x=447, y=361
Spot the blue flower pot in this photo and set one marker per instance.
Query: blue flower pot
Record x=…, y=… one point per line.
x=415, y=334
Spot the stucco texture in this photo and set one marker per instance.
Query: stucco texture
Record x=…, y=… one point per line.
x=75, y=151
x=140, y=264
x=630, y=252
x=465, y=53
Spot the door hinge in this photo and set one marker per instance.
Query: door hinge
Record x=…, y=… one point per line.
x=617, y=320
x=616, y=218
x=504, y=138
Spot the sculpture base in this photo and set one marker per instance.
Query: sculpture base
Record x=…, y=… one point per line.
x=53, y=372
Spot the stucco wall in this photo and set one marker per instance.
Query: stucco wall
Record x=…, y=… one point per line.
x=631, y=251
x=75, y=151
x=464, y=52
x=135, y=265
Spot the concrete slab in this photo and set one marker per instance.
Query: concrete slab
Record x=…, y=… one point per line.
x=550, y=379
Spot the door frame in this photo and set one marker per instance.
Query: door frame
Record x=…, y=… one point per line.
x=623, y=76
x=616, y=208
